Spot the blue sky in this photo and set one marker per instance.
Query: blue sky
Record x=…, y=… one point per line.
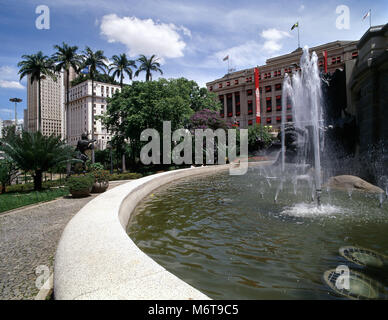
x=191, y=37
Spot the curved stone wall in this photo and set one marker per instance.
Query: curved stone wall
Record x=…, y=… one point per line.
x=96, y=259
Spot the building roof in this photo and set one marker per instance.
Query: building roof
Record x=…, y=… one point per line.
x=372, y=32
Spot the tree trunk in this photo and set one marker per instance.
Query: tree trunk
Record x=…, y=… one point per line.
x=123, y=160
x=38, y=180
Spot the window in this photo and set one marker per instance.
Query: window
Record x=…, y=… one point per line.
x=211, y=88
x=269, y=120
x=333, y=60
x=278, y=86
x=269, y=75
x=278, y=119
x=268, y=89
x=237, y=102
x=250, y=122
x=250, y=107
x=229, y=105
x=289, y=118
x=269, y=104
x=289, y=103
x=278, y=103
x=355, y=55
x=236, y=81
x=220, y=85
x=338, y=59
x=228, y=83
x=248, y=79
x=249, y=92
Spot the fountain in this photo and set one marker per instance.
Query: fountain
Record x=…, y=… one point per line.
x=255, y=237
x=304, y=90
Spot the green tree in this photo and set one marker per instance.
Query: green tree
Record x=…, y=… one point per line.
x=37, y=66
x=8, y=172
x=121, y=66
x=145, y=105
x=259, y=137
x=32, y=151
x=66, y=57
x=94, y=61
x=148, y=66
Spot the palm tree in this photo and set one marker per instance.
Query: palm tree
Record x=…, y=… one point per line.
x=38, y=66
x=65, y=58
x=148, y=65
x=32, y=151
x=121, y=66
x=94, y=61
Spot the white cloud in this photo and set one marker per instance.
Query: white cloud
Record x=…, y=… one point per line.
x=145, y=36
x=252, y=53
x=301, y=8
x=7, y=78
x=8, y=111
x=11, y=84
x=273, y=37
x=246, y=54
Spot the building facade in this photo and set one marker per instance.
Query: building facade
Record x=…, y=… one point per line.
x=52, y=100
x=1, y=128
x=80, y=111
x=255, y=95
x=369, y=88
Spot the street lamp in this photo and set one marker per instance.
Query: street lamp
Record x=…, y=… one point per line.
x=109, y=146
x=16, y=100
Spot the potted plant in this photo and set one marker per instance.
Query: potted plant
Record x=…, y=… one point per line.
x=101, y=178
x=80, y=186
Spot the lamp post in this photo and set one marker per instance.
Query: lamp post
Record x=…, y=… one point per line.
x=110, y=154
x=16, y=101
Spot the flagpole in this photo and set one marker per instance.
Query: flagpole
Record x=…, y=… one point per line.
x=298, y=36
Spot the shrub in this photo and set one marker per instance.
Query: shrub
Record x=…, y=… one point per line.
x=100, y=175
x=80, y=183
x=125, y=176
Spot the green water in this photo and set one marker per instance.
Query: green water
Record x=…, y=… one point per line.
x=218, y=234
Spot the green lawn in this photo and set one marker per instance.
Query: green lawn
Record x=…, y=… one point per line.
x=9, y=201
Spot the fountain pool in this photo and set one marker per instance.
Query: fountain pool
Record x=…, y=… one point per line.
x=225, y=235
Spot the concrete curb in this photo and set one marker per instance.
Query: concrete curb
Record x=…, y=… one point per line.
x=97, y=260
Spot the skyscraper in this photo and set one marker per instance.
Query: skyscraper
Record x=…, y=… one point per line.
x=52, y=101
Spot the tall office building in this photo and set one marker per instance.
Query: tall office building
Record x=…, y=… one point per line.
x=80, y=111
x=52, y=101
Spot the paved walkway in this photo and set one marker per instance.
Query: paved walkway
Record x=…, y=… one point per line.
x=28, y=239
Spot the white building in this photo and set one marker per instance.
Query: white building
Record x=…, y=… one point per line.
x=80, y=111
x=52, y=101
x=1, y=128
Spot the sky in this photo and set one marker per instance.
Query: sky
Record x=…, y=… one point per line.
x=191, y=38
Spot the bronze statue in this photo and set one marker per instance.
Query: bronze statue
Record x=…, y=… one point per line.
x=82, y=146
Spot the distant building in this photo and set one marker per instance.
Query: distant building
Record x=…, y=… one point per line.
x=1, y=128
x=247, y=97
x=52, y=100
x=80, y=111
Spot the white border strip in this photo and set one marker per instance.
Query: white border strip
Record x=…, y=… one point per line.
x=96, y=259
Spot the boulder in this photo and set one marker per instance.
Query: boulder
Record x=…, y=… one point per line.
x=351, y=182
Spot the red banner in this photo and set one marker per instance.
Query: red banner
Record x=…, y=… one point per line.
x=257, y=91
x=325, y=60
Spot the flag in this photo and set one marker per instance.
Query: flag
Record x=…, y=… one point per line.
x=296, y=25
x=366, y=15
x=226, y=58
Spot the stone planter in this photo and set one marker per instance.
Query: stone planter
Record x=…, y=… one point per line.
x=80, y=193
x=100, y=187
